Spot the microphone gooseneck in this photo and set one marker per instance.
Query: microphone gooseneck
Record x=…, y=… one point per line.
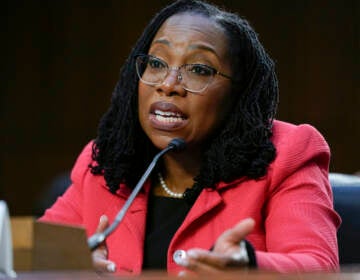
x=176, y=144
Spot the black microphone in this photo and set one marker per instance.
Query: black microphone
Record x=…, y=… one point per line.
x=177, y=144
x=94, y=241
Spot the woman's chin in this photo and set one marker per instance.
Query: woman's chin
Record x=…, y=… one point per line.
x=161, y=142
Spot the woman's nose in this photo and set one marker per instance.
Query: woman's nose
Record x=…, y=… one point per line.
x=172, y=84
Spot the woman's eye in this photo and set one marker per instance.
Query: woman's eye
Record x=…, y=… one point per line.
x=200, y=70
x=154, y=63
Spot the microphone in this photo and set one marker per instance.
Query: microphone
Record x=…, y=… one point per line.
x=176, y=144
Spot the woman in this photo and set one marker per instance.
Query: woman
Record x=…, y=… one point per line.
x=246, y=191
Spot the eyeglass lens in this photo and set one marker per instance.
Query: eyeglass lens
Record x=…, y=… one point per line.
x=153, y=71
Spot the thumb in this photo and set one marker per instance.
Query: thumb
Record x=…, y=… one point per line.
x=103, y=224
x=233, y=236
x=100, y=254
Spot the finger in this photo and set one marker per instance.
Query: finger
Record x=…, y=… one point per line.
x=239, y=231
x=103, y=223
x=203, y=261
x=209, y=258
x=104, y=265
x=230, y=239
x=100, y=254
x=100, y=261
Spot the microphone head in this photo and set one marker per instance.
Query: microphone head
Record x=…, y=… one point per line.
x=177, y=144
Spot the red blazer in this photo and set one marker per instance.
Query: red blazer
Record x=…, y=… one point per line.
x=292, y=206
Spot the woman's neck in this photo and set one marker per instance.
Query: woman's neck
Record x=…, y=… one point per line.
x=179, y=170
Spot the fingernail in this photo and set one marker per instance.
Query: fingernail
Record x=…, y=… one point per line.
x=102, y=218
x=111, y=267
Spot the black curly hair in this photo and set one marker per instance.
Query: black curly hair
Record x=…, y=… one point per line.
x=243, y=145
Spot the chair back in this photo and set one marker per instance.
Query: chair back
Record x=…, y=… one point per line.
x=346, y=190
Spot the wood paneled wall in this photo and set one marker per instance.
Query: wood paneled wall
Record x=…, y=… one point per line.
x=62, y=60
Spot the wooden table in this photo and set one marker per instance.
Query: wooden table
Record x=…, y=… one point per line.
x=24, y=239
x=249, y=275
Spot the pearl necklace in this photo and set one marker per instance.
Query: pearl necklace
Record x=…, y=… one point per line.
x=167, y=190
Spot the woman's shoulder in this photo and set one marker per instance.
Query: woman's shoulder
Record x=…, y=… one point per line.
x=298, y=143
x=86, y=153
x=301, y=151
x=281, y=127
x=289, y=134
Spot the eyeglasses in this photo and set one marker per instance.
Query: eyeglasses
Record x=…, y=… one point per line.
x=192, y=77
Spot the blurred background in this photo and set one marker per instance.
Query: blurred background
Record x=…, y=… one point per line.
x=62, y=60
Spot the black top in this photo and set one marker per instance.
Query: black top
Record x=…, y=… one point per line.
x=165, y=215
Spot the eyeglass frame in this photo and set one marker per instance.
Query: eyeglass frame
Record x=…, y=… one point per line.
x=214, y=72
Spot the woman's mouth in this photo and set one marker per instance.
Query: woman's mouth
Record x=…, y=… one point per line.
x=167, y=116
x=171, y=117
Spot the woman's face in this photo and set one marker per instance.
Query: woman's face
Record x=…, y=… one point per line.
x=168, y=111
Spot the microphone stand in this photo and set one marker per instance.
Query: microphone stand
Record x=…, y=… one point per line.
x=96, y=239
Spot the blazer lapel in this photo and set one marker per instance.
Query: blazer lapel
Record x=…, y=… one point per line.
x=206, y=202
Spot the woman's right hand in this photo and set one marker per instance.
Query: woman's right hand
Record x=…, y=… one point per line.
x=100, y=254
